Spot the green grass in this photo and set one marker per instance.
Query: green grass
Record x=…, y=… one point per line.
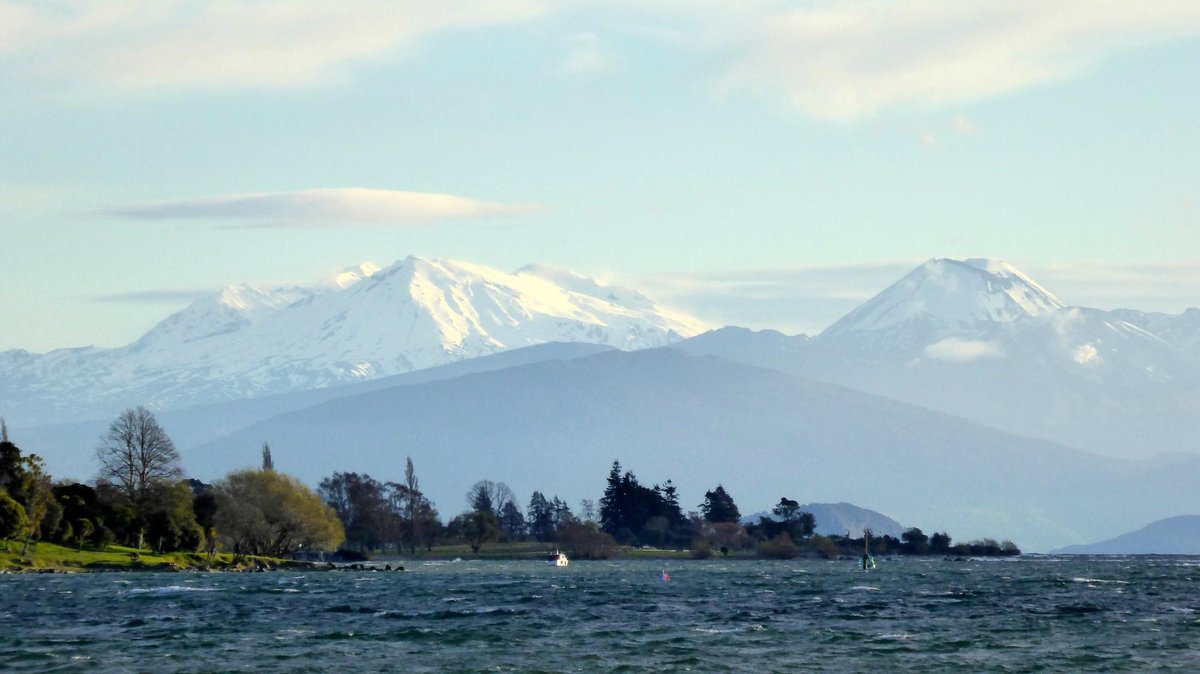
x=49, y=556
x=527, y=550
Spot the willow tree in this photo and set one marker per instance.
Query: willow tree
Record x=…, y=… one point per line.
x=266, y=512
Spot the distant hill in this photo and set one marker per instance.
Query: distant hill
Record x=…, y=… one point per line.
x=69, y=448
x=1172, y=536
x=556, y=426
x=835, y=519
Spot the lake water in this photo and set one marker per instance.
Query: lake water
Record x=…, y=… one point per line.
x=1030, y=614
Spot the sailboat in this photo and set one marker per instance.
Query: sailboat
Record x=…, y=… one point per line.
x=868, y=562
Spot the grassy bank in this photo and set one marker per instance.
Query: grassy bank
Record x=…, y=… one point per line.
x=518, y=550
x=51, y=557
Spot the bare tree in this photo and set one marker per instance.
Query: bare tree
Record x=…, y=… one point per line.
x=489, y=497
x=136, y=455
x=587, y=510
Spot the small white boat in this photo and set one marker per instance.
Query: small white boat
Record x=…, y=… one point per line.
x=557, y=559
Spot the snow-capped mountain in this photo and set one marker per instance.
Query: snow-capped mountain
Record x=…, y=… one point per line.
x=1183, y=331
x=980, y=340
x=366, y=322
x=942, y=297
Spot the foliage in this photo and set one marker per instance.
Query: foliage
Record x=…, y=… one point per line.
x=797, y=524
x=362, y=505
x=915, y=541
x=939, y=542
x=25, y=480
x=269, y=513
x=512, y=522
x=136, y=458
x=627, y=508
x=786, y=509
x=476, y=528
x=586, y=540
x=822, y=546
x=171, y=521
x=14, y=523
x=539, y=518
x=779, y=547
x=420, y=523
x=730, y=536
x=718, y=506
x=375, y=513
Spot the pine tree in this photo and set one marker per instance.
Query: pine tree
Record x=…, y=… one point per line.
x=612, y=504
x=718, y=506
x=267, y=463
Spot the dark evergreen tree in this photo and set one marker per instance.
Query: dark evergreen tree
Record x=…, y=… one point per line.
x=612, y=502
x=939, y=542
x=718, y=506
x=915, y=541
x=540, y=518
x=786, y=509
x=627, y=507
x=512, y=522
x=562, y=513
x=671, y=500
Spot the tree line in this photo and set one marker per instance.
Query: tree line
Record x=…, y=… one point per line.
x=634, y=514
x=140, y=498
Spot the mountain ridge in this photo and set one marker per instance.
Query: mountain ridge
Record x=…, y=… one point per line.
x=1092, y=379
x=364, y=323
x=1178, y=535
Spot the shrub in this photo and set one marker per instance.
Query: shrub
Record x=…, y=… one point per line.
x=779, y=547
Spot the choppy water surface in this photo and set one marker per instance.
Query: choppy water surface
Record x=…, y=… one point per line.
x=1033, y=614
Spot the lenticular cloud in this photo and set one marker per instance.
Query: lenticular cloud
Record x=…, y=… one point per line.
x=324, y=207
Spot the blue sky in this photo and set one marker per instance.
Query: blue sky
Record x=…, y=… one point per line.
x=762, y=163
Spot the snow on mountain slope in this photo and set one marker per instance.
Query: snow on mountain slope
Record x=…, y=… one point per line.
x=980, y=340
x=1183, y=330
x=361, y=324
x=944, y=295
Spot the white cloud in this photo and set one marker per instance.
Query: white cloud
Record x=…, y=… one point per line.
x=850, y=59
x=792, y=300
x=1086, y=354
x=324, y=207
x=141, y=44
x=832, y=59
x=955, y=350
x=1158, y=286
x=155, y=296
